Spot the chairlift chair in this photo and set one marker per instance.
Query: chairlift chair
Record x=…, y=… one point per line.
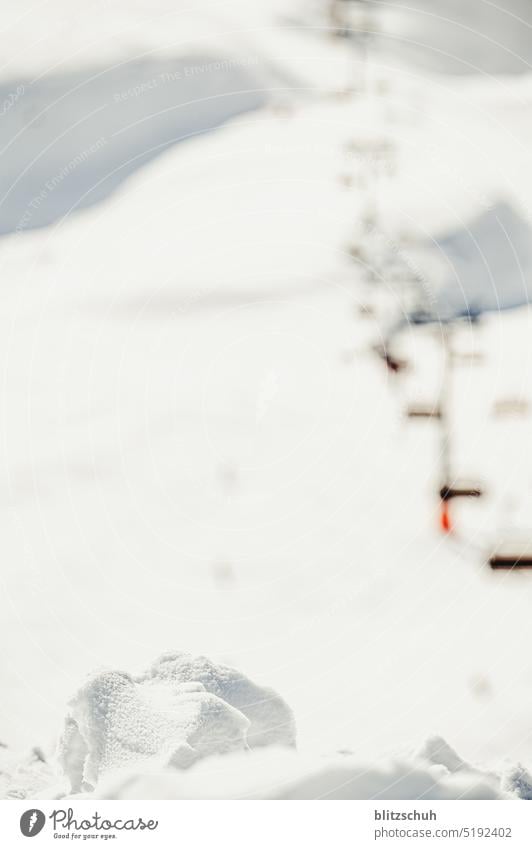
x=339, y=26
x=356, y=251
x=508, y=407
x=423, y=411
x=512, y=552
x=448, y=492
x=460, y=489
x=468, y=357
x=393, y=363
x=376, y=151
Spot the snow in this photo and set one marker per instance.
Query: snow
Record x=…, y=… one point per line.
x=183, y=709
x=273, y=774
x=484, y=266
x=270, y=719
x=161, y=735
x=519, y=782
x=30, y=775
x=67, y=138
x=462, y=38
x=280, y=776
x=199, y=448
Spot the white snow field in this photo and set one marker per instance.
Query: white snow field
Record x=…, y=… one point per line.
x=201, y=451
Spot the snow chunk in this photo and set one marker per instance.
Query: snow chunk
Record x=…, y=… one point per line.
x=271, y=720
x=184, y=708
x=116, y=721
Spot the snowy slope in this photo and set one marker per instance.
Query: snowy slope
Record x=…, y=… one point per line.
x=450, y=36
x=99, y=96
x=200, y=451
x=74, y=137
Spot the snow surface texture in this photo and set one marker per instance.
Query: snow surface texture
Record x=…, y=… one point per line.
x=182, y=709
x=142, y=737
x=287, y=775
x=435, y=771
x=29, y=775
x=76, y=155
x=484, y=266
x=131, y=737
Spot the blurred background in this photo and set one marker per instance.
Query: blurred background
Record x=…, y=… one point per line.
x=265, y=358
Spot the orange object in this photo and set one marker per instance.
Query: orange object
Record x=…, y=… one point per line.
x=445, y=518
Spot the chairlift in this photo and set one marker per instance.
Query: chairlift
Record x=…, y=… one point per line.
x=468, y=357
x=512, y=552
x=366, y=310
x=339, y=26
x=376, y=151
x=393, y=363
x=376, y=155
x=448, y=492
x=452, y=487
x=356, y=251
x=460, y=489
x=423, y=411
x=361, y=28
x=508, y=407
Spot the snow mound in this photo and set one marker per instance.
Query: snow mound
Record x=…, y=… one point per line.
x=282, y=774
x=271, y=721
x=182, y=709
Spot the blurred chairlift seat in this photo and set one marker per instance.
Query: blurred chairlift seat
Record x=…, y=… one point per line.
x=508, y=407
x=460, y=489
x=393, y=363
x=423, y=411
x=512, y=552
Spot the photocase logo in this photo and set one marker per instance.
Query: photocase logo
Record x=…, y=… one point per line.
x=32, y=822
